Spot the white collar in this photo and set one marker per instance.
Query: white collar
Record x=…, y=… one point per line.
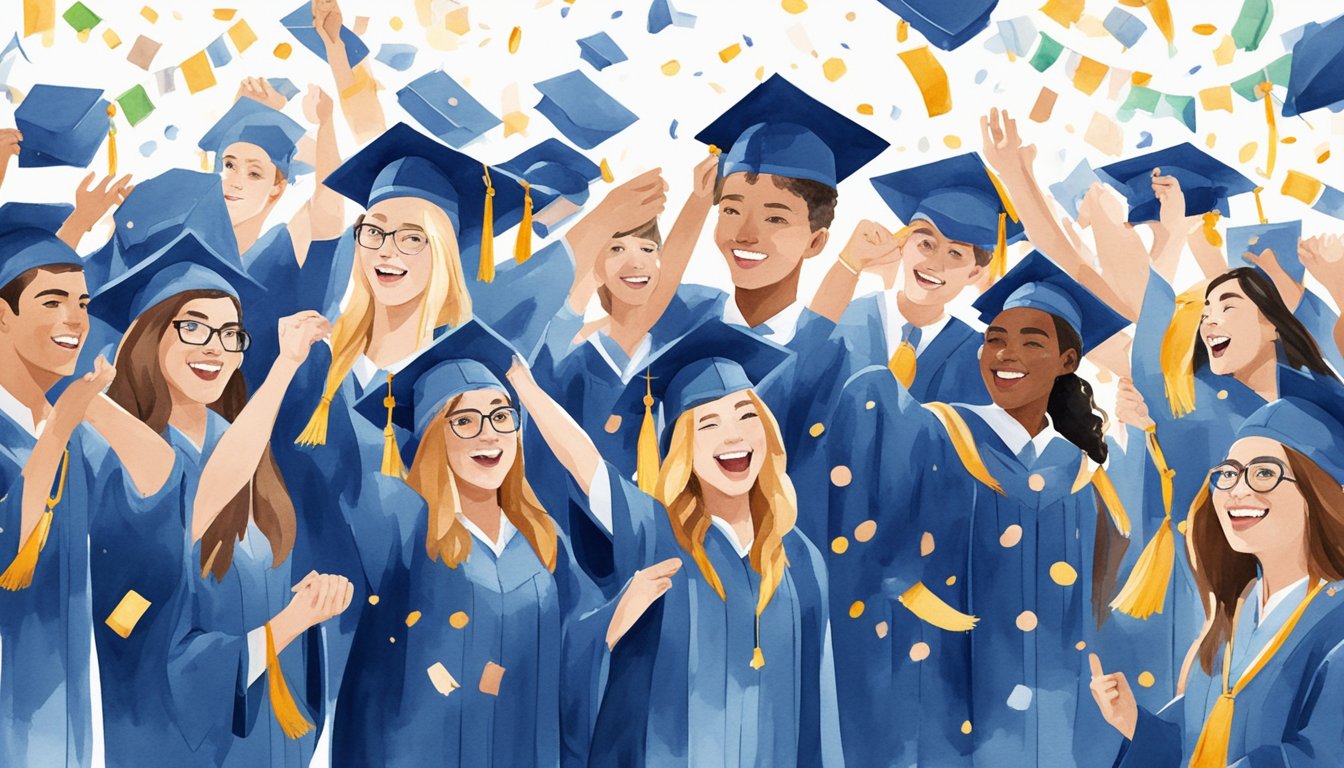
x=636, y=360
x=365, y=369
x=506, y=531
x=782, y=326
x=1275, y=600
x=19, y=413
x=742, y=549
x=1011, y=431
x=893, y=322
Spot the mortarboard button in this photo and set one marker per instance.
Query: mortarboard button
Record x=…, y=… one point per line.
x=444, y=108
x=582, y=111
x=300, y=24
x=61, y=126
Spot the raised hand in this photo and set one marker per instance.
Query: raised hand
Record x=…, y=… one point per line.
x=705, y=178
x=73, y=403
x=317, y=106
x=636, y=202
x=92, y=202
x=871, y=246
x=327, y=21
x=259, y=89
x=10, y=145
x=1171, y=199
x=1323, y=256
x=1130, y=407
x=1002, y=144
x=645, y=587
x=299, y=332
x=1114, y=698
x=1289, y=289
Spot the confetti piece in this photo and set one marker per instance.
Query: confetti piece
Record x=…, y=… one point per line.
x=515, y=39
x=793, y=6
x=283, y=50
x=834, y=69
x=865, y=109
x=225, y=14
x=135, y=104
x=1046, y=54
x=672, y=129
x=1300, y=186
x=148, y=148
x=128, y=612
x=412, y=618
x=442, y=681
x=39, y=16
x=966, y=727
x=284, y=86
x=150, y=15
x=1044, y=106
x=1020, y=698
x=1017, y=35
x=491, y=677
x=856, y=609
x=458, y=620
x=1322, y=153
x=841, y=476
x=165, y=81
x=981, y=75
x=395, y=23
x=931, y=78
x=457, y=22
x=80, y=18
x=143, y=52
x=1087, y=78
x=952, y=142
x=1092, y=26
x=515, y=122
x=662, y=15
x=1105, y=134
x=600, y=51
x=1145, y=140
x=1124, y=27
x=218, y=51
x=1146, y=679
x=1218, y=97
x=1252, y=24
x=1224, y=53
x=730, y=53
x=170, y=132
x=1063, y=574
x=1140, y=78
x=360, y=26
x=1065, y=12
x=111, y=38
x=197, y=73
x=671, y=67
x=242, y=35
x=398, y=56
x=606, y=171
x=1204, y=29
x=1248, y=151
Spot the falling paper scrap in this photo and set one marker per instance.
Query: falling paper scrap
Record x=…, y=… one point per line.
x=443, y=681
x=582, y=111
x=399, y=56
x=662, y=15
x=600, y=51
x=446, y=109
x=127, y=614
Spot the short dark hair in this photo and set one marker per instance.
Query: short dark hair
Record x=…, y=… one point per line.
x=820, y=198
x=646, y=231
x=982, y=256
x=14, y=288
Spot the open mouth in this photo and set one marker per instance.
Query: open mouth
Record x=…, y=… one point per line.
x=927, y=281
x=1008, y=379
x=1245, y=517
x=388, y=275
x=734, y=462
x=66, y=341
x=488, y=458
x=637, y=282
x=206, y=371
x=748, y=259
x=1218, y=345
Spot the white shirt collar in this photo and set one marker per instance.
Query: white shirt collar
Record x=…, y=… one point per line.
x=636, y=360
x=1275, y=600
x=742, y=549
x=506, y=531
x=782, y=326
x=1011, y=431
x=893, y=322
x=365, y=369
x=19, y=413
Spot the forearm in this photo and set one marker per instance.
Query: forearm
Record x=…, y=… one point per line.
x=572, y=447
x=359, y=103
x=73, y=230
x=1166, y=254
x=327, y=207
x=40, y=474
x=836, y=291
x=678, y=249
x=146, y=457
x=1033, y=210
x=1208, y=256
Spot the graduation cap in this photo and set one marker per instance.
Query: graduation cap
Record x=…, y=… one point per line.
x=1308, y=417
x=1316, y=78
x=1280, y=237
x=466, y=358
x=1206, y=181
x=1036, y=283
x=780, y=130
x=962, y=199
x=600, y=51
x=160, y=210
x=62, y=126
x=444, y=108
x=28, y=238
x=948, y=24
x=557, y=178
x=582, y=111
x=300, y=25
x=251, y=122
x=406, y=163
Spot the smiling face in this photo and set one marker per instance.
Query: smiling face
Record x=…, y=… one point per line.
x=51, y=321
x=1022, y=357
x=935, y=268
x=763, y=230
x=251, y=182
x=1261, y=523
x=195, y=373
x=1235, y=334
x=398, y=278
x=629, y=268
x=482, y=461
x=729, y=445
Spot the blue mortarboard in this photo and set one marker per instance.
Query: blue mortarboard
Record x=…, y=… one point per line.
x=406, y=163
x=61, y=126
x=947, y=24
x=1317, y=76
x=1281, y=238
x=956, y=194
x=600, y=51
x=186, y=264
x=252, y=122
x=445, y=109
x=780, y=130
x=1036, y=283
x=582, y=111
x=1308, y=417
x=1206, y=181
x=28, y=238
x=559, y=176
x=466, y=358
x=300, y=25
x=160, y=210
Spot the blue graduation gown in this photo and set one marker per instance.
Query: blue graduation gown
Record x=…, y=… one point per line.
x=1287, y=715
x=680, y=689
x=1319, y=319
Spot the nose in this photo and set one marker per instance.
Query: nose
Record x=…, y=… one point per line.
x=388, y=249
x=746, y=232
x=74, y=318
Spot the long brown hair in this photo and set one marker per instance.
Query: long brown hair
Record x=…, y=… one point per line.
x=447, y=540
x=1222, y=574
x=141, y=388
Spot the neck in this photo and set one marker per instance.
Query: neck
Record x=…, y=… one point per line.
x=629, y=325
x=27, y=383
x=734, y=510
x=248, y=231
x=1031, y=415
x=481, y=507
x=758, y=305
x=1278, y=573
x=1262, y=376
x=919, y=315
x=188, y=416
x=396, y=333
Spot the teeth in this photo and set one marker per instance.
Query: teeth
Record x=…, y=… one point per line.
x=70, y=340
x=1216, y=340
x=1009, y=375
x=389, y=271
x=1244, y=513
x=207, y=367
x=929, y=278
x=748, y=255
x=638, y=280
x=733, y=455
x=494, y=453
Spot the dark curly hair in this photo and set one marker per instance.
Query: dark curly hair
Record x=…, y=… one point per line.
x=820, y=198
x=1072, y=409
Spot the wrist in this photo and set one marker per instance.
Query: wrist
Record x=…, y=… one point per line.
x=846, y=261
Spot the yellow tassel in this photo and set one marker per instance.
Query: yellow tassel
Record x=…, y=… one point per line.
x=315, y=433
x=646, y=450
x=111, y=140
x=392, y=466
x=522, y=248
x=19, y=574
x=1119, y=518
x=903, y=364
x=964, y=444
x=757, y=658
x=999, y=266
x=1145, y=591
x=287, y=714
x=931, y=609
x=1178, y=350
x=1260, y=206
x=486, y=271
x=1211, y=228
x=1266, y=89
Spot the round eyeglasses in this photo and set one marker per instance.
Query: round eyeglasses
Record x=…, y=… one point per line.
x=1262, y=475
x=408, y=241
x=468, y=422
x=198, y=334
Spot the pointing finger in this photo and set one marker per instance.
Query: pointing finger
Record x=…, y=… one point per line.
x=1094, y=662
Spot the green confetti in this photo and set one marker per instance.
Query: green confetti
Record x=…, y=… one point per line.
x=1278, y=72
x=81, y=18
x=1140, y=99
x=1047, y=53
x=135, y=104
x=1252, y=24
x=1180, y=107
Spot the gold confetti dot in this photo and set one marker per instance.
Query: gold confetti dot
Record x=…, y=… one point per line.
x=966, y=726
x=951, y=580
x=760, y=73
x=458, y=620
x=672, y=67
x=373, y=599
x=1204, y=29
x=817, y=429
x=150, y=14
x=83, y=35
x=283, y=50
x=865, y=531
x=870, y=405
x=1222, y=394
x=1080, y=645
x=881, y=630
x=395, y=23
x=833, y=69
x=1146, y=679
x=1010, y=536
x=225, y=14
x=515, y=39
x=839, y=545
x=607, y=175
x=1182, y=527
x=1211, y=140
x=840, y=476
x=1288, y=140
x=613, y=424
x=926, y=544
x=391, y=639
x=856, y=609
x=730, y=53
x=851, y=16
x=952, y=142
x=1036, y=482
x=794, y=6
x=1026, y=621
x=865, y=109
x=1063, y=574
x=412, y=618
x=919, y=651
x=1248, y=151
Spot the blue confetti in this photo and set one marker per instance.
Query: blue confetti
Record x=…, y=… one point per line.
x=218, y=52
x=600, y=51
x=697, y=74
x=398, y=56
x=746, y=40
x=845, y=46
x=148, y=148
x=564, y=11
x=980, y=76
x=662, y=15
x=672, y=129
x=895, y=112
x=170, y=133
x=284, y=86
x=617, y=14
x=1196, y=68
x=1145, y=140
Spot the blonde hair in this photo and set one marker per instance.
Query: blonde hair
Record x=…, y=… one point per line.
x=448, y=540
x=774, y=506
x=446, y=291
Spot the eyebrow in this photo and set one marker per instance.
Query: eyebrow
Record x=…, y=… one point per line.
x=1035, y=332
x=923, y=231
x=1230, y=295
x=778, y=205
x=55, y=292
x=377, y=216
x=734, y=198
x=995, y=329
x=708, y=416
x=200, y=315
x=497, y=401
x=743, y=404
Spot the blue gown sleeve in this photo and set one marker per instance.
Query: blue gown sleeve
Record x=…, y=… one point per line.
x=1314, y=739
x=1157, y=739
x=1319, y=319
x=523, y=298
x=819, y=718
x=1159, y=306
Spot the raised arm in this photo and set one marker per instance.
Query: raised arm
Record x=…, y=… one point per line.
x=91, y=204
x=143, y=453
x=323, y=216
x=1323, y=256
x=572, y=447
x=357, y=89
x=10, y=141
x=872, y=245
x=234, y=461
x=685, y=234
x=626, y=207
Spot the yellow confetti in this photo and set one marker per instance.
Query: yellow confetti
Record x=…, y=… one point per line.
x=128, y=612
x=865, y=109
x=83, y=35
x=919, y=651
x=396, y=23
x=951, y=580
x=931, y=78
x=1226, y=50
x=225, y=14
x=1204, y=29
x=671, y=68
x=607, y=175
x=834, y=69
x=150, y=14
x=952, y=141
x=242, y=36
x=613, y=424
x=1289, y=140
x=902, y=31
x=516, y=122
x=1087, y=78
x=1140, y=78
x=816, y=429
x=1300, y=186
x=794, y=6
x=283, y=50
x=1146, y=679
x=730, y=53
x=865, y=531
x=373, y=599
x=966, y=727
x=760, y=73
x=1011, y=536
x=1066, y=12
x=1063, y=574
x=412, y=618
x=458, y=620
x=1248, y=151
x=197, y=73
x=515, y=39
x=870, y=405
x=1080, y=645
x=840, y=476
x=1322, y=153
x=111, y=38
x=926, y=544
x=1218, y=97
x=856, y=609
x=457, y=22
x=1210, y=140
x=839, y=545
x=851, y=16
x=1026, y=621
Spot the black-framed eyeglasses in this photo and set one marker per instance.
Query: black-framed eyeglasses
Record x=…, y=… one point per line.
x=1262, y=475
x=409, y=241
x=198, y=334
x=468, y=422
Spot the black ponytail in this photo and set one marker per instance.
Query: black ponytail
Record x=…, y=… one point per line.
x=1072, y=410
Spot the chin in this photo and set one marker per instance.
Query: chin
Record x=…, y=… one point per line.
x=484, y=480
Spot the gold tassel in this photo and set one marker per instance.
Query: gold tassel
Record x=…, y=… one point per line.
x=1178, y=349
x=485, y=272
x=1119, y=518
x=999, y=265
x=931, y=609
x=964, y=444
x=111, y=140
x=1266, y=89
x=315, y=433
x=1211, y=228
x=19, y=574
x=392, y=466
x=757, y=658
x=646, y=450
x=1260, y=206
x=287, y=714
x=904, y=364
x=522, y=247
x=1145, y=591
